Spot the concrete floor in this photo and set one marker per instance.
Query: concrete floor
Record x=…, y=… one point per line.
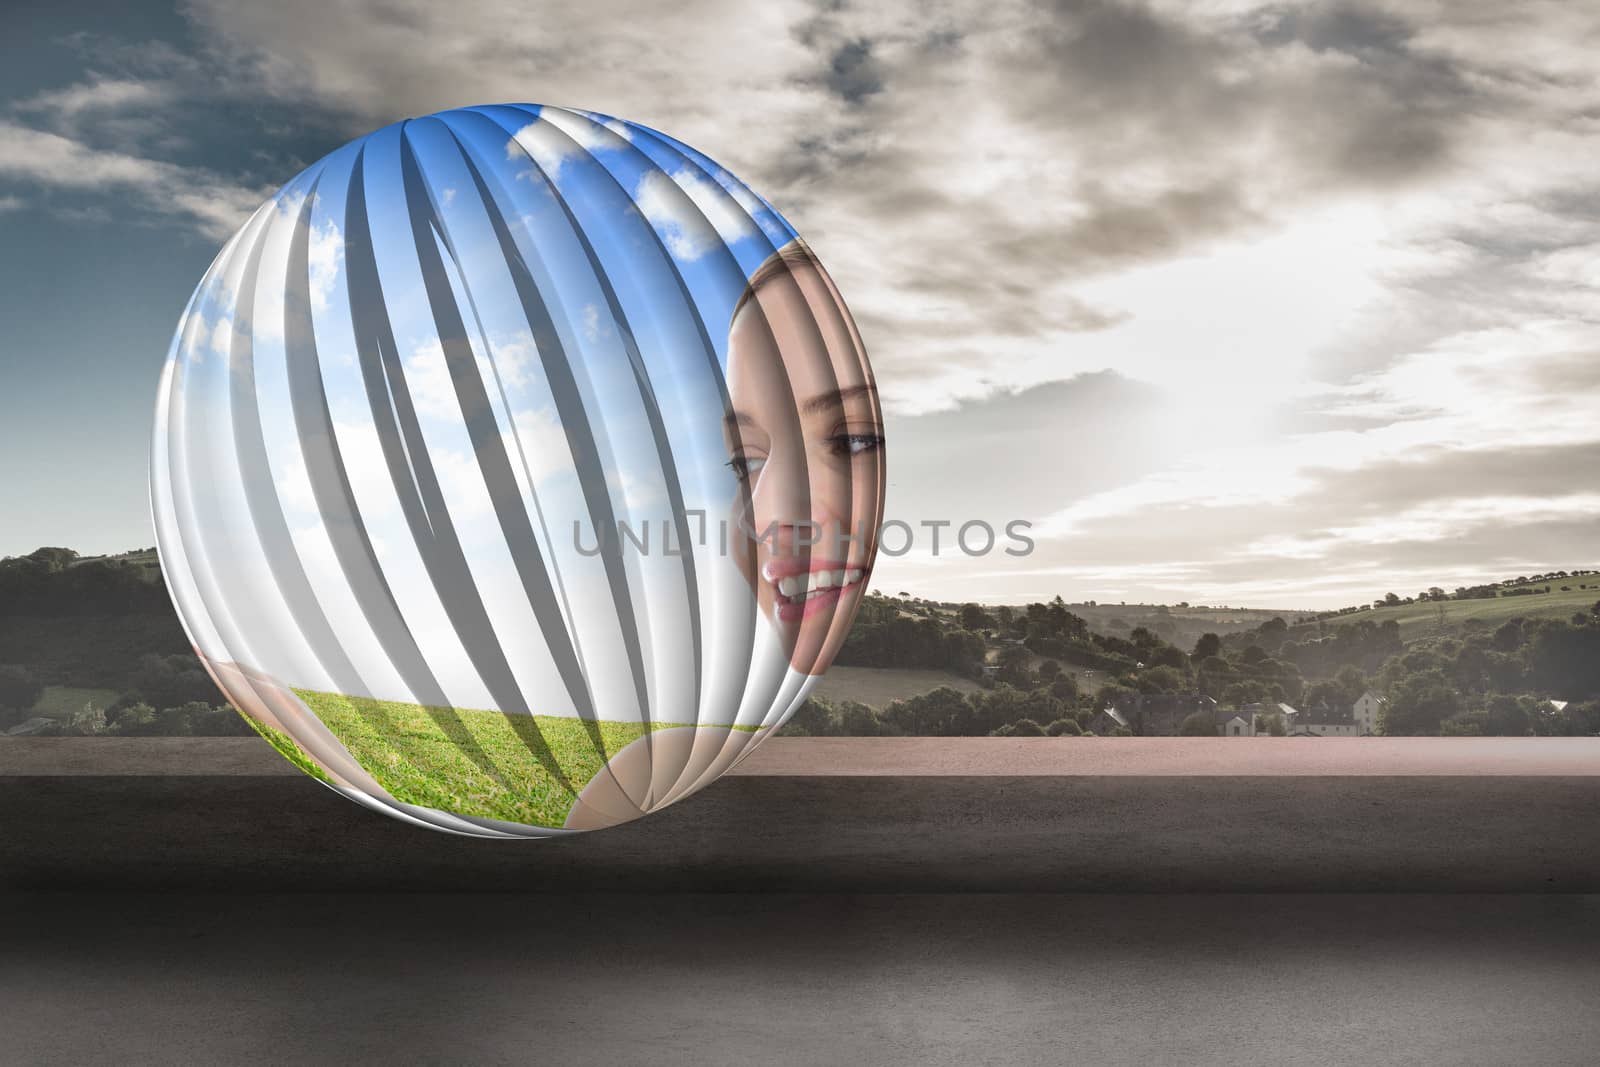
x=774, y=980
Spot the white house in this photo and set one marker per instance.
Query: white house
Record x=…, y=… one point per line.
x=1365, y=712
x=1238, y=727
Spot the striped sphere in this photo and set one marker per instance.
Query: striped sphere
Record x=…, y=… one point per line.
x=484, y=456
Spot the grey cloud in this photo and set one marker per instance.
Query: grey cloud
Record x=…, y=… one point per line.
x=964, y=168
x=1211, y=542
x=55, y=163
x=852, y=73
x=1011, y=454
x=1379, y=489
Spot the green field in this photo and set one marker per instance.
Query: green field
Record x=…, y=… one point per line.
x=467, y=761
x=65, y=701
x=881, y=686
x=1418, y=618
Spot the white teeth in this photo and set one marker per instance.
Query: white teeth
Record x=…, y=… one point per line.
x=802, y=586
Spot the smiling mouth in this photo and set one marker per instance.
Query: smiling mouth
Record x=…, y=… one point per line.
x=802, y=595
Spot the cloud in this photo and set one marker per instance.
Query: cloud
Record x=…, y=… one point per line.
x=325, y=261
x=221, y=337
x=433, y=391
x=1254, y=296
x=557, y=136
x=692, y=213
x=92, y=97
x=215, y=206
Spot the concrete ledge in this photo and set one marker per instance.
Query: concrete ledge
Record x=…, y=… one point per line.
x=842, y=815
x=918, y=757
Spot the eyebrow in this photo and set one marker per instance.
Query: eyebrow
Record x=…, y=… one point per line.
x=833, y=399
x=821, y=402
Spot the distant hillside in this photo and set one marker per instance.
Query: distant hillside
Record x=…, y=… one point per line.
x=85, y=621
x=1179, y=624
x=1557, y=595
x=92, y=645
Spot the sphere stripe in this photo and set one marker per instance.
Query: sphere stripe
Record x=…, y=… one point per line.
x=722, y=258
x=416, y=485
x=580, y=434
x=495, y=467
x=266, y=514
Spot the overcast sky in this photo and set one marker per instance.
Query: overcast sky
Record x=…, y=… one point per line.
x=1283, y=305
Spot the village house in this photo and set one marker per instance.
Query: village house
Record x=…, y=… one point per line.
x=1251, y=719
x=1162, y=714
x=1323, y=721
x=1107, y=721
x=1365, y=712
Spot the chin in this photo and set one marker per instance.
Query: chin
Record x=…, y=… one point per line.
x=815, y=639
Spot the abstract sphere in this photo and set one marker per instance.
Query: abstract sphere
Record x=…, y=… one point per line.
x=516, y=471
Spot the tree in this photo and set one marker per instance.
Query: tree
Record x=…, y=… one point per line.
x=1271, y=722
x=1208, y=645
x=1064, y=728
x=815, y=718
x=1014, y=666
x=1418, y=704
x=1272, y=632
x=1064, y=687
x=975, y=618
x=53, y=560
x=858, y=720
x=1161, y=680
x=1508, y=716
x=1565, y=659
x=87, y=722
x=1352, y=683
x=137, y=720
x=1198, y=724
x=1249, y=691
x=170, y=681
x=944, y=712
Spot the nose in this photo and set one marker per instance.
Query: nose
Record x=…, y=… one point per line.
x=804, y=504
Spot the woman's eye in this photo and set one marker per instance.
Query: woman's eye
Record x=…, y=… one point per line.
x=855, y=444
x=746, y=467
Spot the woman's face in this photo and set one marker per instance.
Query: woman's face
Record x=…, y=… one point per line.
x=805, y=434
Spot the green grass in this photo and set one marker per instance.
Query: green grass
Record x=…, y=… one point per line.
x=1418, y=618
x=881, y=686
x=472, y=762
x=288, y=749
x=65, y=701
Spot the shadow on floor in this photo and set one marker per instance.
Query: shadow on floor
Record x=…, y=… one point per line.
x=776, y=980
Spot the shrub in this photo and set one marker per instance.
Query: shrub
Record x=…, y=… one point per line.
x=137, y=720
